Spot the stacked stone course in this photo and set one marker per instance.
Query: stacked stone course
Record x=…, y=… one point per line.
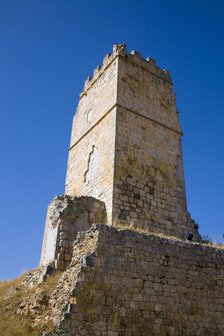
x=130, y=283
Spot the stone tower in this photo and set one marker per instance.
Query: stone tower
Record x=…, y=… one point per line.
x=126, y=146
x=125, y=169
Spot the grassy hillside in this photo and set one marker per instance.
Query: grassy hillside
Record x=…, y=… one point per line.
x=24, y=310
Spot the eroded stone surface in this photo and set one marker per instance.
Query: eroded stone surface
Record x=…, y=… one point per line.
x=65, y=218
x=122, y=282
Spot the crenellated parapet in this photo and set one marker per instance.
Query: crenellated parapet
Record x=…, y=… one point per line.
x=149, y=65
x=119, y=50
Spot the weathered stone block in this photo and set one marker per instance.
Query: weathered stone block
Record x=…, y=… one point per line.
x=65, y=218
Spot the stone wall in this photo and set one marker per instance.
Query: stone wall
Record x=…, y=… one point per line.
x=91, y=163
x=66, y=217
x=131, y=284
x=149, y=189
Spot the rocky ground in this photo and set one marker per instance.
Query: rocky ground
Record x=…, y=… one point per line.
x=26, y=305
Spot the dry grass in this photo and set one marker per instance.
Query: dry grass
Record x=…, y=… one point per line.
x=11, y=294
x=134, y=227
x=213, y=244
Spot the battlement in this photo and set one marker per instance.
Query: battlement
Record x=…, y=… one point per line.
x=119, y=50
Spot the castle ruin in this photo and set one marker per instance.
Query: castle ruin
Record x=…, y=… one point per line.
x=143, y=270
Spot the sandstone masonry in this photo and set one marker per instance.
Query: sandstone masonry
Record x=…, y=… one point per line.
x=126, y=146
x=125, y=283
x=132, y=259
x=67, y=216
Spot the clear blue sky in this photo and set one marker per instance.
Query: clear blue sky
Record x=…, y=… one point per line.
x=47, y=50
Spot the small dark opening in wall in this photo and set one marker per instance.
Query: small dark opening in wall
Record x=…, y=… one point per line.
x=190, y=236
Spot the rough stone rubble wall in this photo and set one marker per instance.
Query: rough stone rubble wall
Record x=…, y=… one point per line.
x=136, y=284
x=148, y=192
x=65, y=218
